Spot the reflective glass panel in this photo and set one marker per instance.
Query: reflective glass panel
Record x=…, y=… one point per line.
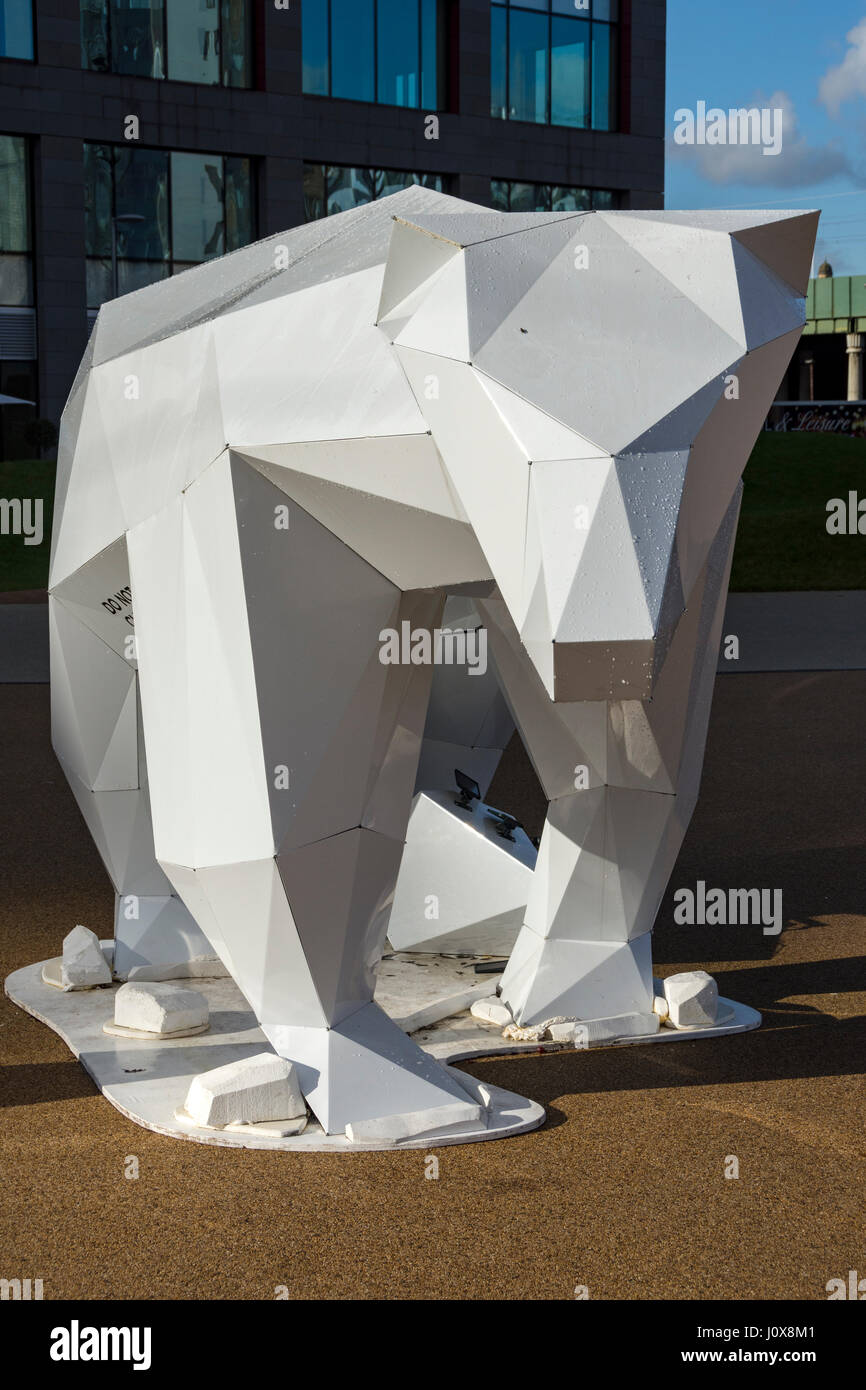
x=399, y=52
x=430, y=54
x=97, y=199
x=94, y=35
x=238, y=203
x=604, y=41
x=348, y=188
x=570, y=199
x=530, y=197
x=237, y=44
x=314, y=46
x=16, y=29
x=498, y=62
x=499, y=194
x=14, y=197
x=192, y=41
x=141, y=186
x=197, y=221
x=527, y=66
x=138, y=38
x=569, y=72
x=314, y=191
x=352, y=52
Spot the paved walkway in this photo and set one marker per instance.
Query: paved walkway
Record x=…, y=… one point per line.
x=776, y=632
x=623, y=1191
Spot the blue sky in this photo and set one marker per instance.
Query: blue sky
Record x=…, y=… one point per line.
x=806, y=59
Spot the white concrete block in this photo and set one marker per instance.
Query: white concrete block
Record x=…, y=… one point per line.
x=561, y=1032
x=492, y=1010
x=256, y=1089
x=660, y=1007
x=158, y=1008
x=622, y=1026
x=390, y=1129
x=693, y=999
x=84, y=966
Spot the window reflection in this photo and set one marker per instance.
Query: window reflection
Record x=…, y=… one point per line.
x=16, y=29
x=187, y=207
x=554, y=61
x=202, y=41
x=331, y=188
x=373, y=50
x=512, y=196
x=16, y=278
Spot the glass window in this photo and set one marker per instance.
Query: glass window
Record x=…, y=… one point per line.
x=141, y=190
x=430, y=37
x=554, y=61
x=202, y=41
x=498, y=61
x=137, y=38
x=529, y=197
x=544, y=197
x=197, y=207
x=398, y=37
x=314, y=46
x=192, y=41
x=604, y=44
x=372, y=50
x=570, y=199
x=569, y=72
x=499, y=194
x=352, y=50
x=169, y=210
x=527, y=66
x=330, y=188
x=314, y=192
x=16, y=278
x=236, y=44
x=95, y=45
x=16, y=29
x=239, y=221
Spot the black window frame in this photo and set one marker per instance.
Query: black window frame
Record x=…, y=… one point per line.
x=441, y=82
x=252, y=56
x=174, y=264
x=508, y=6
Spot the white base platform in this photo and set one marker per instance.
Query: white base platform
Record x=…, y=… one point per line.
x=147, y=1079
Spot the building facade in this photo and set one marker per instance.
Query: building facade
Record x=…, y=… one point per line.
x=139, y=138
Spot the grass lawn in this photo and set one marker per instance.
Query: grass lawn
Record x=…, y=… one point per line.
x=782, y=541
x=26, y=566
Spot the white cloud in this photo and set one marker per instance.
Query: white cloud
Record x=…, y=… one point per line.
x=848, y=78
x=798, y=165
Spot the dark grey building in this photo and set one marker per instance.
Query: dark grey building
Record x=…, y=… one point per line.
x=137, y=137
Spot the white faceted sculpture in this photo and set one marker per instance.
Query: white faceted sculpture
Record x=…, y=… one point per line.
x=481, y=880
x=83, y=966
x=276, y=458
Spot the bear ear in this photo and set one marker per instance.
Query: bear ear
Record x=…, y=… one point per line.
x=785, y=244
x=414, y=256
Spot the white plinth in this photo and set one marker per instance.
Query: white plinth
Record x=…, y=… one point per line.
x=148, y=1080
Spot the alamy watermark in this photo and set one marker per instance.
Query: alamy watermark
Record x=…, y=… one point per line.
x=22, y=516
x=738, y=126
x=440, y=646
x=711, y=907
